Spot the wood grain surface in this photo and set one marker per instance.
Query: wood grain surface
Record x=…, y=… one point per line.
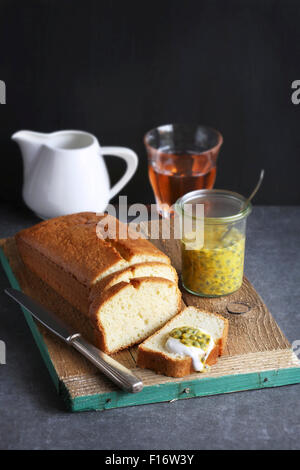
x=255, y=342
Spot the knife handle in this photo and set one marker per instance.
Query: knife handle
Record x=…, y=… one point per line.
x=115, y=371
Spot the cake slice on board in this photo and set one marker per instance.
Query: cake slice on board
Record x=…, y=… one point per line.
x=189, y=342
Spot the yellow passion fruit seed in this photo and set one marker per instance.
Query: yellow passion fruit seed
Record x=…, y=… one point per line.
x=191, y=337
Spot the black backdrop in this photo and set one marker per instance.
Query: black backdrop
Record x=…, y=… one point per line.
x=118, y=68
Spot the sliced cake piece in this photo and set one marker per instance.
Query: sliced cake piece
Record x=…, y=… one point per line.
x=189, y=342
x=150, y=269
x=129, y=312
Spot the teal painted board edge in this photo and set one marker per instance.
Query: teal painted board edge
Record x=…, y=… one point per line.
x=30, y=322
x=189, y=389
x=155, y=393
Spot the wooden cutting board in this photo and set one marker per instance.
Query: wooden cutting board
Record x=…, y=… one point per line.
x=258, y=355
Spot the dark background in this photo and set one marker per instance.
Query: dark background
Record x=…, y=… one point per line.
x=118, y=68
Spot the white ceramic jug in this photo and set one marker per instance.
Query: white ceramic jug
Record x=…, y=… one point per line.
x=64, y=172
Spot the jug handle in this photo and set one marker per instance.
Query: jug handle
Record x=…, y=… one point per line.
x=130, y=158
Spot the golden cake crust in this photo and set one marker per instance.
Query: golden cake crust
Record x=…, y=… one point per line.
x=76, y=243
x=130, y=273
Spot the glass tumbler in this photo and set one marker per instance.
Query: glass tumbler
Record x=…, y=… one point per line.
x=181, y=158
x=213, y=265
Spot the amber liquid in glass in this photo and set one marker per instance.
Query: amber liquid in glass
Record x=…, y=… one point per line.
x=174, y=174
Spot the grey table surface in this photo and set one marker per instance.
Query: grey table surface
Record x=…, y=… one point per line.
x=32, y=416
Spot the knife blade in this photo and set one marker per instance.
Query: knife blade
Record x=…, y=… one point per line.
x=115, y=371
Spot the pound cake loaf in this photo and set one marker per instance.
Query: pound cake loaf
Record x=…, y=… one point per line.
x=126, y=288
x=189, y=342
x=71, y=253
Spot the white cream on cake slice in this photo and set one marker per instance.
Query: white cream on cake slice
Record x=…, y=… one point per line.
x=198, y=355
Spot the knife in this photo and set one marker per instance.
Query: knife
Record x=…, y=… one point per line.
x=115, y=371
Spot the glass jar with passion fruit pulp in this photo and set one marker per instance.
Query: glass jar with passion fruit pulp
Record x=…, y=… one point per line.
x=214, y=266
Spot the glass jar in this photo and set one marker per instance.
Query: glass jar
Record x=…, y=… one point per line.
x=213, y=264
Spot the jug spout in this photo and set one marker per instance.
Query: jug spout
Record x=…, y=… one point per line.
x=30, y=144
